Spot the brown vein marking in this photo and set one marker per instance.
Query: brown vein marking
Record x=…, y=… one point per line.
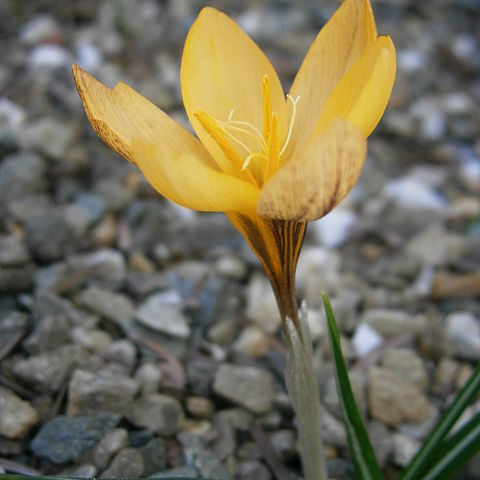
x=256, y=240
x=288, y=237
x=106, y=134
x=334, y=198
x=277, y=245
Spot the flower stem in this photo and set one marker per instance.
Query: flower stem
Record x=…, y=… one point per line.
x=302, y=387
x=277, y=244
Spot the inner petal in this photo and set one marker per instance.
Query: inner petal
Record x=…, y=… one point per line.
x=255, y=155
x=222, y=70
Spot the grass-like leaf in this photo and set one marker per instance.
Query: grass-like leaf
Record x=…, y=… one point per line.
x=365, y=463
x=457, y=450
x=430, y=453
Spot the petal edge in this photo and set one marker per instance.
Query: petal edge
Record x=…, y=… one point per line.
x=313, y=183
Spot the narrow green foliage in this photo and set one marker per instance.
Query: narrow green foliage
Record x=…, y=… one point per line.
x=457, y=450
x=365, y=463
x=431, y=452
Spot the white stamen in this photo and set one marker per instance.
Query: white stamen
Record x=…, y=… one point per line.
x=239, y=142
x=247, y=161
x=292, y=121
x=232, y=124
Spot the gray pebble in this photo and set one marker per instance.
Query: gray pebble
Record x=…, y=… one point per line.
x=13, y=251
x=49, y=137
x=103, y=391
x=154, y=455
x=111, y=443
x=17, y=416
x=21, y=174
x=161, y=413
x=407, y=364
x=157, y=314
x=249, y=387
x=149, y=377
x=392, y=322
x=50, y=333
x=68, y=438
x=462, y=335
x=393, y=399
x=47, y=371
x=116, y=307
x=49, y=236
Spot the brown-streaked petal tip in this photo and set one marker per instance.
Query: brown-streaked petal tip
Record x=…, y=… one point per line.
x=313, y=183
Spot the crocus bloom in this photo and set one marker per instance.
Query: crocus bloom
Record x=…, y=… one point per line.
x=271, y=162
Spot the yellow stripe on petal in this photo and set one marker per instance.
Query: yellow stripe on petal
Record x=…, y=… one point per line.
x=188, y=181
x=312, y=183
x=223, y=73
x=120, y=114
x=362, y=94
x=342, y=41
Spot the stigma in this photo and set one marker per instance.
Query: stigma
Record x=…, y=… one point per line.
x=258, y=153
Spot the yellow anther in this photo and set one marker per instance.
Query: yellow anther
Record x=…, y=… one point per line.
x=267, y=106
x=211, y=126
x=263, y=147
x=273, y=156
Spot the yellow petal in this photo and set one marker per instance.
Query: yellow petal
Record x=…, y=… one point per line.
x=223, y=71
x=311, y=184
x=188, y=181
x=120, y=114
x=362, y=94
x=173, y=160
x=341, y=42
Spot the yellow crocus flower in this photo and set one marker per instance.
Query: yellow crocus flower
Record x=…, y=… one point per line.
x=271, y=162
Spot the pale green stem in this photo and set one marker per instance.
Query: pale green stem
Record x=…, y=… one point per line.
x=302, y=387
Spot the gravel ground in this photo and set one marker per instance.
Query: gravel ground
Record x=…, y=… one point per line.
x=137, y=337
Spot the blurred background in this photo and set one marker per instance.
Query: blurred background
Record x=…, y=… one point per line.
x=148, y=333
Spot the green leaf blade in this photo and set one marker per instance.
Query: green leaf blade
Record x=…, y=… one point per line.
x=431, y=451
x=365, y=463
x=457, y=450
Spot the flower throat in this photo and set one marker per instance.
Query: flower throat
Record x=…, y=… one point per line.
x=261, y=152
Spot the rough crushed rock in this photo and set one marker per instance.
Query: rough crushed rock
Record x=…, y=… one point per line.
x=138, y=338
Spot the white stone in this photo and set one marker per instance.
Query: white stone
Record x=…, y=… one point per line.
x=149, y=377
x=11, y=115
x=462, y=334
x=261, y=304
x=252, y=342
x=49, y=136
x=231, y=266
x=404, y=448
x=163, y=317
x=39, y=29
x=411, y=60
x=333, y=229
x=457, y=103
x=88, y=56
x=365, y=339
x=317, y=261
x=17, y=417
x=435, y=246
x=470, y=171
x=410, y=192
x=464, y=46
x=50, y=56
x=317, y=323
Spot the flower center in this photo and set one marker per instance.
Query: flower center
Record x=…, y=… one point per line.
x=254, y=152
